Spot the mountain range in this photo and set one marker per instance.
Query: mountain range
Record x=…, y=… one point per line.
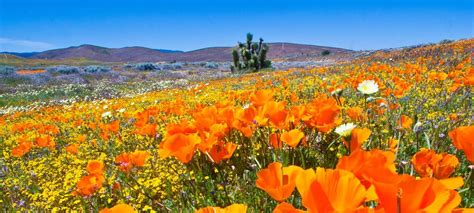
x=280, y=50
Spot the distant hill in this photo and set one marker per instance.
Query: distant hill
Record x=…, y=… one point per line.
x=143, y=54
x=23, y=55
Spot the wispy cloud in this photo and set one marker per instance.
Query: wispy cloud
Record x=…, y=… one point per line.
x=7, y=44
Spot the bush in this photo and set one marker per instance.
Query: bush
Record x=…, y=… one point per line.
x=211, y=65
x=63, y=69
x=446, y=41
x=325, y=52
x=7, y=70
x=145, y=67
x=95, y=69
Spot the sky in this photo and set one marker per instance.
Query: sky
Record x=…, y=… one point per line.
x=37, y=25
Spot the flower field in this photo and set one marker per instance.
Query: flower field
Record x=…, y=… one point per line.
x=390, y=132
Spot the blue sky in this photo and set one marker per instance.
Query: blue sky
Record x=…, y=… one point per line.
x=36, y=25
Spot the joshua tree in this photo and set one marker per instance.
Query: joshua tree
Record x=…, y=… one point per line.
x=251, y=56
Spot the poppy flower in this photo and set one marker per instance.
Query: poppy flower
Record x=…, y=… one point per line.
x=278, y=181
x=412, y=195
x=297, y=113
x=222, y=151
x=330, y=190
x=322, y=114
x=429, y=164
x=405, y=122
x=45, y=141
x=292, y=138
x=124, y=162
x=119, y=208
x=261, y=97
x=114, y=126
x=392, y=144
x=357, y=138
x=146, y=130
x=369, y=166
x=275, y=141
x=89, y=184
x=356, y=113
x=462, y=138
x=81, y=138
x=234, y=208
x=22, y=148
x=95, y=167
x=72, y=149
x=180, y=146
x=139, y=158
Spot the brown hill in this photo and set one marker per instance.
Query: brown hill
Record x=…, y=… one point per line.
x=142, y=54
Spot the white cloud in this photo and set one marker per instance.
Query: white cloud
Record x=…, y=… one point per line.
x=6, y=44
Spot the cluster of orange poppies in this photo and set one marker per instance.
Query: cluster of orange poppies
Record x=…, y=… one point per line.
x=126, y=161
x=211, y=124
x=90, y=183
x=363, y=181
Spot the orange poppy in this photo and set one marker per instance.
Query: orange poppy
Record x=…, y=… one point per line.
x=462, y=138
x=234, y=208
x=95, y=167
x=330, y=190
x=72, y=149
x=405, y=122
x=114, y=126
x=356, y=113
x=369, y=165
x=222, y=151
x=275, y=141
x=119, y=208
x=139, y=158
x=322, y=114
x=45, y=141
x=261, y=97
x=89, y=184
x=81, y=138
x=146, y=130
x=22, y=148
x=124, y=162
x=292, y=138
x=411, y=195
x=357, y=138
x=180, y=146
x=297, y=113
x=278, y=182
x=392, y=144
x=428, y=164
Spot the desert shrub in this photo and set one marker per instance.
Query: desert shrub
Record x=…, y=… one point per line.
x=325, y=52
x=128, y=66
x=7, y=70
x=145, y=67
x=211, y=65
x=95, y=69
x=63, y=69
x=446, y=41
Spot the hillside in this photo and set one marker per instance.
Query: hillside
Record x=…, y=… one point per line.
x=143, y=54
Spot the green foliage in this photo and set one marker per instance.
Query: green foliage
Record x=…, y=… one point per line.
x=325, y=52
x=7, y=70
x=251, y=56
